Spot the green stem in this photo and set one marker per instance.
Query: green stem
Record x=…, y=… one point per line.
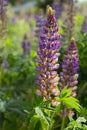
x=63, y=123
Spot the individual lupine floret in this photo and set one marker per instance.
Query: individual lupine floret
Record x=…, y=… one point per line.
x=84, y=26
x=47, y=59
x=3, y=17
x=25, y=45
x=70, y=66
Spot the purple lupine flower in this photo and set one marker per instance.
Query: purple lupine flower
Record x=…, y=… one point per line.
x=3, y=17
x=40, y=22
x=69, y=75
x=57, y=6
x=47, y=59
x=25, y=45
x=84, y=26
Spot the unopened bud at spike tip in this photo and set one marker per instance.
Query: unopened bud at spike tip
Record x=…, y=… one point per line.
x=72, y=39
x=50, y=11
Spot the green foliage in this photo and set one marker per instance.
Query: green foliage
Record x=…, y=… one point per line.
x=43, y=114
x=68, y=100
x=83, y=112
x=38, y=118
x=78, y=124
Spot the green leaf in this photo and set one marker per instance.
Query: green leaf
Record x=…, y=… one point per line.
x=66, y=92
x=40, y=113
x=72, y=103
x=50, y=109
x=37, y=99
x=81, y=119
x=34, y=120
x=17, y=110
x=42, y=104
x=29, y=117
x=38, y=121
x=44, y=124
x=58, y=108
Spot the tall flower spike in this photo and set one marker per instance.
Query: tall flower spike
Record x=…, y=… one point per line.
x=69, y=75
x=40, y=22
x=3, y=17
x=57, y=6
x=25, y=45
x=47, y=59
x=84, y=25
x=70, y=8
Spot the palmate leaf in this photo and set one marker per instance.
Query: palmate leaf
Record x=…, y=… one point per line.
x=36, y=120
x=65, y=92
x=45, y=115
x=77, y=124
x=39, y=112
x=44, y=124
x=66, y=99
x=81, y=119
x=72, y=103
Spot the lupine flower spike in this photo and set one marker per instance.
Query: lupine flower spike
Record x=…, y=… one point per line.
x=57, y=6
x=47, y=59
x=69, y=20
x=40, y=22
x=70, y=66
x=69, y=75
x=25, y=45
x=3, y=17
x=84, y=26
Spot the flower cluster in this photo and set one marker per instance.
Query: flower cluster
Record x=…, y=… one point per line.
x=25, y=45
x=68, y=76
x=47, y=59
x=3, y=17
